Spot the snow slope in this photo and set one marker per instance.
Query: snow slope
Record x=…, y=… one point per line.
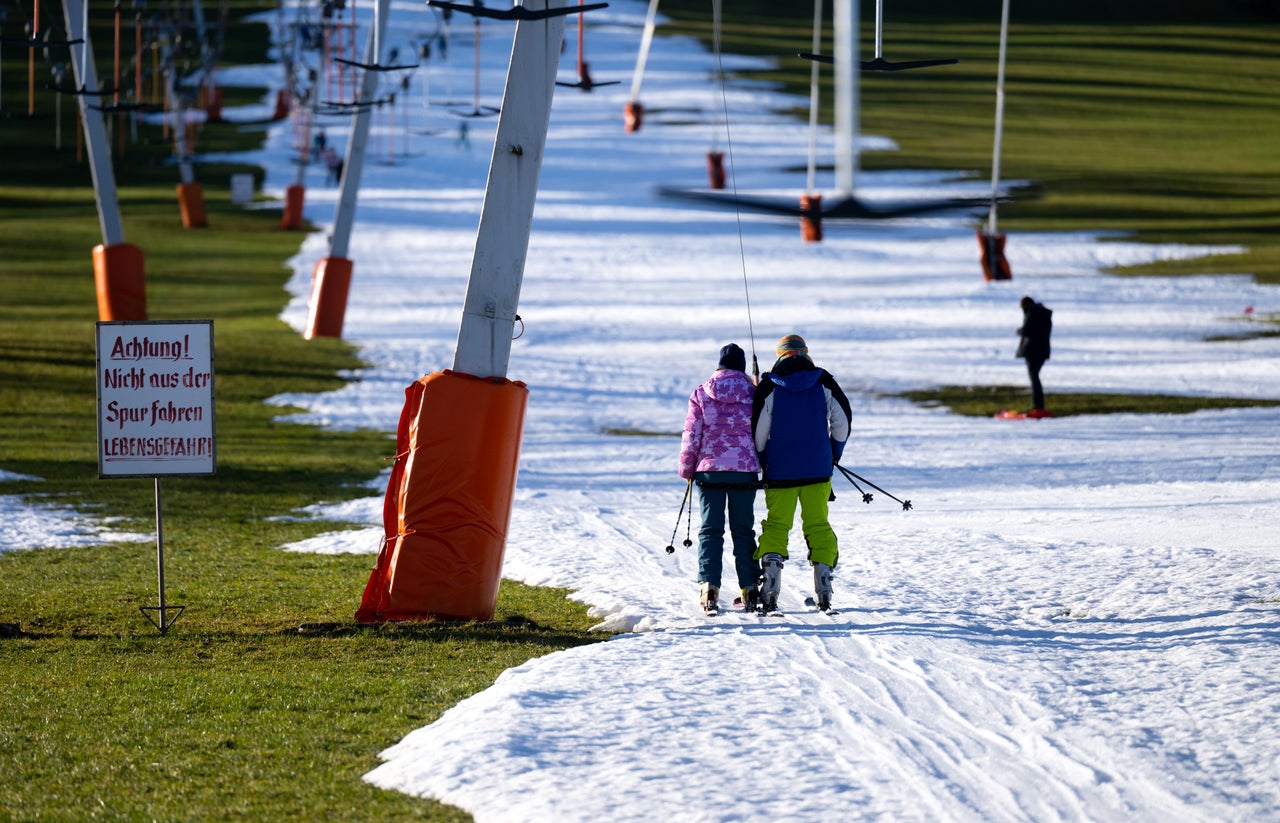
x=1078, y=620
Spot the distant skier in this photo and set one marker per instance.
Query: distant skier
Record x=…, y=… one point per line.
x=1037, y=324
x=800, y=420
x=717, y=453
x=333, y=165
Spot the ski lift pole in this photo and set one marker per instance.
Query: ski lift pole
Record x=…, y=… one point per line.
x=31, y=56
x=463, y=493
x=845, y=24
x=331, y=280
x=995, y=153
x=811, y=200
x=118, y=267
x=814, y=99
x=879, y=29
x=633, y=114
x=190, y=193
x=502, y=239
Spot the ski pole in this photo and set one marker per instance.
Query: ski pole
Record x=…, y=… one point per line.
x=906, y=504
x=688, y=519
x=687, y=500
x=866, y=496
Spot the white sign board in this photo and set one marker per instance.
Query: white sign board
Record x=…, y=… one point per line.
x=241, y=189
x=155, y=398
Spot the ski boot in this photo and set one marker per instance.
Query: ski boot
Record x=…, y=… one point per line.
x=770, y=582
x=710, y=599
x=822, y=586
x=750, y=600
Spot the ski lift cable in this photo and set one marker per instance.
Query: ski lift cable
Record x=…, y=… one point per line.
x=733, y=177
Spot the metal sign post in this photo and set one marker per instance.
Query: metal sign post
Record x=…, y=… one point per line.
x=161, y=619
x=155, y=414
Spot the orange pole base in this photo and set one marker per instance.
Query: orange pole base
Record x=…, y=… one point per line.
x=191, y=204
x=119, y=273
x=811, y=218
x=448, y=503
x=633, y=117
x=330, y=283
x=294, y=196
x=995, y=266
x=282, y=105
x=213, y=106
x=715, y=169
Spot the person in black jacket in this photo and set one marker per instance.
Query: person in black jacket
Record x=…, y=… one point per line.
x=800, y=419
x=1037, y=324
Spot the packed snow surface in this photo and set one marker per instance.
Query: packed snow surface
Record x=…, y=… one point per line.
x=1077, y=619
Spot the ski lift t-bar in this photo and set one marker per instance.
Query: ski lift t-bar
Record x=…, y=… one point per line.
x=515, y=12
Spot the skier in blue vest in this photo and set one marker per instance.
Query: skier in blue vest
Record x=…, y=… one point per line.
x=800, y=420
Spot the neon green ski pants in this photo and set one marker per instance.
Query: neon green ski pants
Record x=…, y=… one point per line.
x=818, y=534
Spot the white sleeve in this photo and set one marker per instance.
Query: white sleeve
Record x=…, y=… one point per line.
x=764, y=424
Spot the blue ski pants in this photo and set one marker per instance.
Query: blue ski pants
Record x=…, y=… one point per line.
x=740, y=503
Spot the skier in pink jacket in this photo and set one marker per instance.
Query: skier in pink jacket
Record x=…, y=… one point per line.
x=718, y=453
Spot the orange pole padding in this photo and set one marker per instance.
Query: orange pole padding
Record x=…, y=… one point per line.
x=811, y=218
x=282, y=105
x=633, y=117
x=995, y=266
x=715, y=169
x=330, y=283
x=213, y=104
x=448, y=503
x=294, y=196
x=191, y=204
x=119, y=273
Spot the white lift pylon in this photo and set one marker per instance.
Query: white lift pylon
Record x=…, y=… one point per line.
x=502, y=240
x=331, y=279
x=118, y=267
x=451, y=491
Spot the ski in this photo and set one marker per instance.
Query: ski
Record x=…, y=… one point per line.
x=813, y=604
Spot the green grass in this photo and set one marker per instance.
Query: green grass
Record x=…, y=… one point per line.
x=264, y=701
x=240, y=711
x=1154, y=120
x=987, y=401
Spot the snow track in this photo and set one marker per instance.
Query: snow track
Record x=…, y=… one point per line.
x=1078, y=620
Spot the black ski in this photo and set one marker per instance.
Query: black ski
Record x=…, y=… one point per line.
x=813, y=604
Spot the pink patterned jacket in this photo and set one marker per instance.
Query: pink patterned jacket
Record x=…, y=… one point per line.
x=717, y=429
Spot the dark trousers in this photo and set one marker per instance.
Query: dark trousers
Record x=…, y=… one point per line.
x=740, y=503
x=1037, y=391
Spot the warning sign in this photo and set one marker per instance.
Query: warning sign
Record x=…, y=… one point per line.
x=155, y=398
